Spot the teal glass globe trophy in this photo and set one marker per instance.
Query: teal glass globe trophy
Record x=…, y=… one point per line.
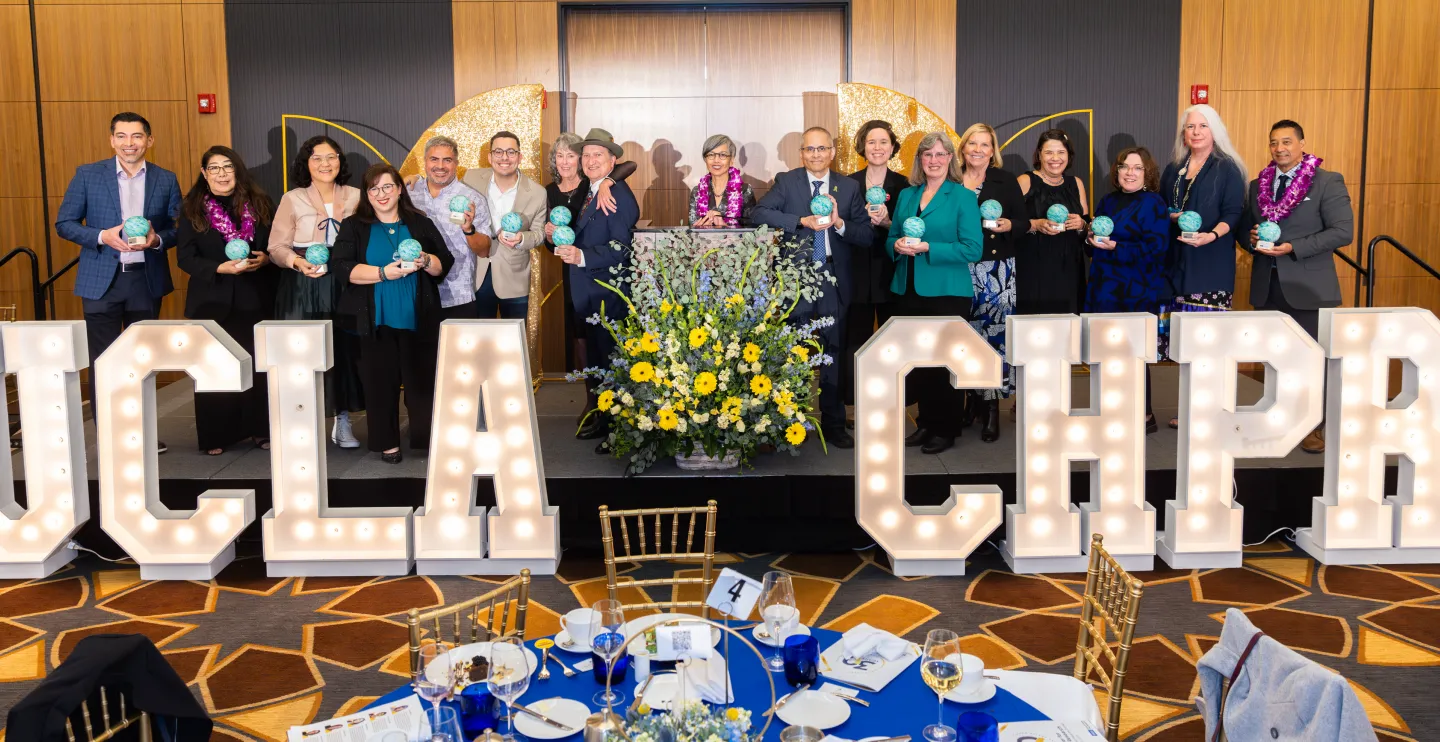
x=1103, y=227
x=318, y=255
x=990, y=212
x=560, y=216
x=458, y=205
x=408, y=252
x=1190, y=223
x=237, y=249
x=821, y=208
x=1268, y=234
x=136, y=230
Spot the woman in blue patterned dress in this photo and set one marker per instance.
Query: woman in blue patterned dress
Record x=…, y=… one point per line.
x=1127, y=270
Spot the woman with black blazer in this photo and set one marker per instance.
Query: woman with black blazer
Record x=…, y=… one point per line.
x=993, y=275
x=871, y=268
x=394, y=306
x=223, y=206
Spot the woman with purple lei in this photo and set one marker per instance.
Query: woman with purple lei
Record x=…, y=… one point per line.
x=722, y=198
x=221, y=239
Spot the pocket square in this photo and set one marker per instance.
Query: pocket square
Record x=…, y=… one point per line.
x=1307, y=198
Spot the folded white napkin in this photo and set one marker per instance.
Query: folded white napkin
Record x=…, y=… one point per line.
x=709, y=680
x=864, y=639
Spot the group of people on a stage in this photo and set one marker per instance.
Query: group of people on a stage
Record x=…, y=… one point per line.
x=330, y=250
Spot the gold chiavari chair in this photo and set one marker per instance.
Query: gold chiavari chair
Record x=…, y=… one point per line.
x=1112, y=605
x=653, y=550
x=110, y=727
x=489, y=612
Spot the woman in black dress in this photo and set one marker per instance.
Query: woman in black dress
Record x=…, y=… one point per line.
x=871, y=268
x=224, y=205
x=1050, y=259
x=569, y=188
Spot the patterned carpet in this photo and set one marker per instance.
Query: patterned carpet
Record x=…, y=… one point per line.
x=263, y=654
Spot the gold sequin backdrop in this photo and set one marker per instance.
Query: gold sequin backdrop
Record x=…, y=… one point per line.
x=515, y=109
x=910, y=120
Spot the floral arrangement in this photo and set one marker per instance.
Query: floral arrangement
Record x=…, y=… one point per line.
x=706, y=360
x=696, y=722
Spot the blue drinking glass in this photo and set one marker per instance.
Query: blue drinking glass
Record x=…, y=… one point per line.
x=977, y=726
x=608, y=643
x=802, y=659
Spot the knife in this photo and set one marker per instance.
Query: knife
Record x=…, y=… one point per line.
x=526, y=710
x=786, y=698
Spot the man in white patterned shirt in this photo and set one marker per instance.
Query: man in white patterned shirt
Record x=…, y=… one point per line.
x=433, y=194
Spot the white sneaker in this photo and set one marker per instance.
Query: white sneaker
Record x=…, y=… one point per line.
x=341, y=435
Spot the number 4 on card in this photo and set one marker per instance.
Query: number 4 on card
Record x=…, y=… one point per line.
x=734, y=594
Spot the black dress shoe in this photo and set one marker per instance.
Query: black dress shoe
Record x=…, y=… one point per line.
x=595, y=427
x=849, y=424
x=917, y=438
x=937, y=443
x=838, y=438
x=1151, y=426
x=393, y=457
x=972, y=409
x=991, y=432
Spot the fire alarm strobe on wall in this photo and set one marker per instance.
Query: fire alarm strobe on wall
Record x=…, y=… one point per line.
x=1199, y=94
x=207, y=102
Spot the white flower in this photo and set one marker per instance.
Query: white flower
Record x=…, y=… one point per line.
x=762, y=423
x=732, y=353
x=626, y=399
x=760, y=329
x=757, y=402
x=724, y=375
x=615, y=409
x=644, y=423
x=723, y=422
x=700, y=418
x=680, y=425
x=740, y=426
x=723, y=386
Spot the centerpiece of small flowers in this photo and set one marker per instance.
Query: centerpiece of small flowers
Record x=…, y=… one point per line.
x=696, y=722
x=708, y=363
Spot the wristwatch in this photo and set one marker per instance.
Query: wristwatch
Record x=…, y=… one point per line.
x=472, y=231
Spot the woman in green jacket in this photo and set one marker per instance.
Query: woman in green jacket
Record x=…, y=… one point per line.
x=932, y=274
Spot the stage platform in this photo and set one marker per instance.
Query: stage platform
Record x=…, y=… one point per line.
x=806, y=500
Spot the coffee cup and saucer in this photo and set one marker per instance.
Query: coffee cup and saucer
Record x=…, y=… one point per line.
x=577, y=630
x=974, y=687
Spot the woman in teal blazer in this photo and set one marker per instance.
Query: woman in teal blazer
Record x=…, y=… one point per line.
x=932, y=274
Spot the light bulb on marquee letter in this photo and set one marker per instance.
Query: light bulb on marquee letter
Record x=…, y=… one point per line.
x=1045, y=532
x=1353, y=522
x=46, y=358
x=303, y=535
x=167, y=544
x=920, y=539
x=485, y=425
x=1203, y=522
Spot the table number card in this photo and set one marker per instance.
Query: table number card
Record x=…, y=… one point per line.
x=734, y=594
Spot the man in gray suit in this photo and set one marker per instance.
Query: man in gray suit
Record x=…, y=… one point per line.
x=1296, y=275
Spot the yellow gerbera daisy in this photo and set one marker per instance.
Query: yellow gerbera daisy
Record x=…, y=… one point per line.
x=760, y=385
x=698, y=336
x=642, y=372
x=795, y=433
x=606, y=401
x=649, y=343
x=751, y=353
x=667, y=419
x=704, y=383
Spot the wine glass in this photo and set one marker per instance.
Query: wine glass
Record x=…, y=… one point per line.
x=509, y=675
x=444, y=724
x=435, y=672
x=777, y=609
x=941, y=669
x=609, y=636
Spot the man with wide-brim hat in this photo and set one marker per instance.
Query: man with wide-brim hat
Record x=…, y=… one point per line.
x=602, y=242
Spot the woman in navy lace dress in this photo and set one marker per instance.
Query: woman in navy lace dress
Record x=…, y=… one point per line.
x=1127, y=269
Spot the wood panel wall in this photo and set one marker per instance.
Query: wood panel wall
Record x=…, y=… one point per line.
x=1255, y=82
x=89, y=70
x=908, y=46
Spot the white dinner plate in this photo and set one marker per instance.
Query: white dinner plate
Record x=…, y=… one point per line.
x=985, y=693
x=811, y=708
x=660, y=693
x=570, y=713
x=642, y=623
x=469, y=651
x=769, y=641
x=563, y=638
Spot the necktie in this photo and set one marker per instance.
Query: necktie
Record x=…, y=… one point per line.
x=1281, y=183
x=818, y=239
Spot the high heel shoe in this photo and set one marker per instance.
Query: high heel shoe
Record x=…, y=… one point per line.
x=991, y=432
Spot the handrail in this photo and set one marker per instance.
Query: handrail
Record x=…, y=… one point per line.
x=36, y=291
x=1361, y=274
x=47, y=283
x=1370, y=259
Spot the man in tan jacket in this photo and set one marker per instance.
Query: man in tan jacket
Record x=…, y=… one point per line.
x=502, y=276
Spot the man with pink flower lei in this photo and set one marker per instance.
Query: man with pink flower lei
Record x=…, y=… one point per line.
x=1294, y=270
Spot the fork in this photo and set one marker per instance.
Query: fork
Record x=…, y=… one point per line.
x=563, y=668
x=544, y=673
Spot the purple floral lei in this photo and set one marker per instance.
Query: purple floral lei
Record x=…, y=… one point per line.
x=221, y=221
x=1294, y=192
x=734, y=196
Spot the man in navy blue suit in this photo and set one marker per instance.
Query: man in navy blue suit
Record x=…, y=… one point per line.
x=119, y=283
x=787, y=207
x=602, y=242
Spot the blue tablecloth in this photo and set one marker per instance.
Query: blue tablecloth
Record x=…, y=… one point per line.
x=905, y=706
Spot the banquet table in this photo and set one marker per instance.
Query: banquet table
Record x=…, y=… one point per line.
x=904, y=706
